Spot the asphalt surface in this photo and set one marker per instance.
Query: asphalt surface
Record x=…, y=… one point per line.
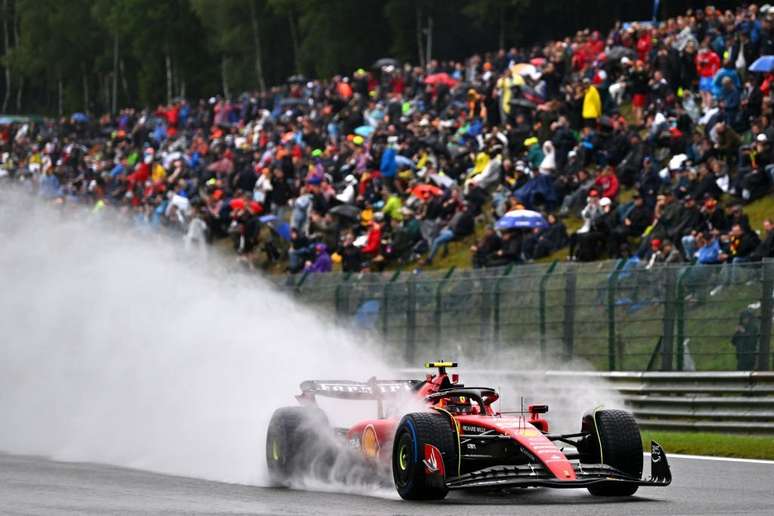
x=31, y=485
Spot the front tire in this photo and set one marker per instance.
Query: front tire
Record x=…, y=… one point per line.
x=416, y=430
x=614, y=440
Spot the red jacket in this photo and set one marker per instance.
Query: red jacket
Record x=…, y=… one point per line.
x=608, y=185
x=374, y=242
x=707, y=63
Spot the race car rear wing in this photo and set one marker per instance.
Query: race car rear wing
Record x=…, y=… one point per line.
x=373, y=389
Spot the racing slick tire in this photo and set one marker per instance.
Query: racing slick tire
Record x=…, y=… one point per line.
x=296, y=443
x=614, y=440
x=414, y=478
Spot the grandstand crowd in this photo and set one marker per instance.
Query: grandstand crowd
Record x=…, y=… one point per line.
x=390, y=164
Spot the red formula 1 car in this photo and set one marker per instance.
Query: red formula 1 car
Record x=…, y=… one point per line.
x=459, y=441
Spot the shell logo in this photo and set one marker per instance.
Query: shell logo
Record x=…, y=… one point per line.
x=369, y=442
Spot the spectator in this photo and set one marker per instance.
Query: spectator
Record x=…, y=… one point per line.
x=745, y=341
x=486, y=248
x=322, y=261
x=501, y=137
x=543, y=242
x=766, y=248
x=460, y=225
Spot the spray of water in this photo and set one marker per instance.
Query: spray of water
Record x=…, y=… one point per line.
x=119, y=349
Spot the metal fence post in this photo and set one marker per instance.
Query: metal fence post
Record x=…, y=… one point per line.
x=680, y=316
x=437, y=314
x=612, y=282
x=568, y=333
x=386, y=305
x=496, y=315
x=339, y=300
x=411, y=318
x=297, y=286
x=767, y=290
x=668, y=326
x=542, y=306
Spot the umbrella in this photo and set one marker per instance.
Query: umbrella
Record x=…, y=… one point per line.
x=404, y=162
x=79, y=118
x=364, y=130
x=440, y=78
x=523, y=103
x=346, y=211
x=521, y=219
x=524, y=69
x=385, y=62
x=425, y=191
x=763, y=64
x=279, y=226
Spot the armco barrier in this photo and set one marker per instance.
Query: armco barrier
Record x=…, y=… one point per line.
x=740, y=402
x=733, y=401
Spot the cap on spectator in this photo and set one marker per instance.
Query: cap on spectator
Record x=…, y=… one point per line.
x=358, y=140
x=655, y=243
x=761, y=138
x=710, y=203
x=532, y=140
x=317, y=153
x=605, y=201
x=350, y=179
x=593, y=193
x=626, y=61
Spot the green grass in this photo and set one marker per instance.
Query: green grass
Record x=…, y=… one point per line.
x=719, y=445
x=759, y=210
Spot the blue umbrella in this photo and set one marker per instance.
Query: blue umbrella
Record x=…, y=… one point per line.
x=281, y=227
x=404, y=162
x=763, y=64
x=521, y=219
x=364, y=131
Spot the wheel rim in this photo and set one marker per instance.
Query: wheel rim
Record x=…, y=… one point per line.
x=275, y=450
x=403, y=457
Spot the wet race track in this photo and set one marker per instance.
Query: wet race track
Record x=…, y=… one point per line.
x=30, y=485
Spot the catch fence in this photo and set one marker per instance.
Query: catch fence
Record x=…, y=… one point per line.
x=613, y=315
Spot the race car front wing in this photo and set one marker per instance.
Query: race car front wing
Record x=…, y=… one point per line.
x=537, y=475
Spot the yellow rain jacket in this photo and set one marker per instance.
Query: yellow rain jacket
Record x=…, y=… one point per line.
x=592, y=104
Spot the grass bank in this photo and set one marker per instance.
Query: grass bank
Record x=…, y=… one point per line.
x=719, y=445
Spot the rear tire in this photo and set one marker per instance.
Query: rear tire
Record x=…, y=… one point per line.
x=296, y=443
x=408, y=468
x=615, y=441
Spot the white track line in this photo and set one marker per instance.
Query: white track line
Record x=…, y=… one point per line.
x=722, y=459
